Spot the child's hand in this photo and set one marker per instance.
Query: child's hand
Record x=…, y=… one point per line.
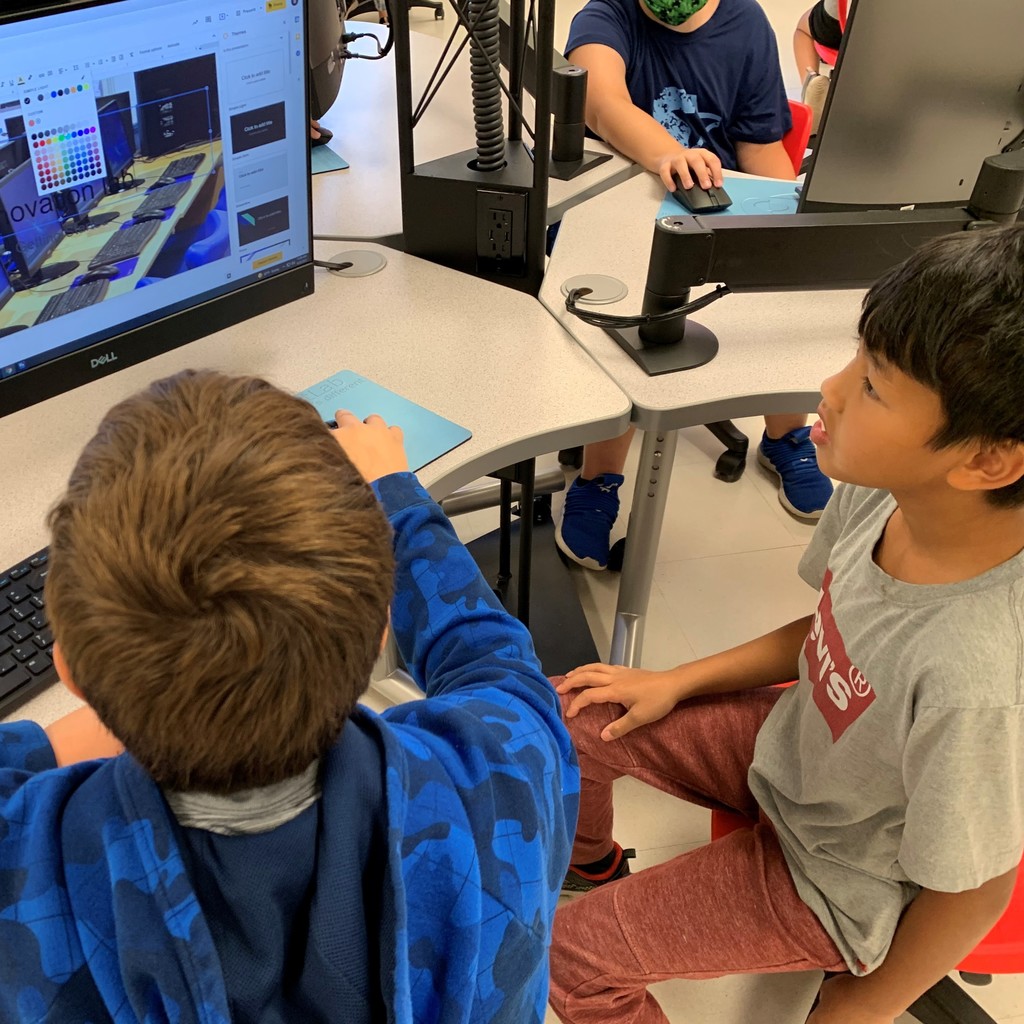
x=375, y=449
x=689, y=165
x=648, y=696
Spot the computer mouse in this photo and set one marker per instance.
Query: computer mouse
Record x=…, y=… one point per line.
x=152, y=215
x=101, y=273
x=163, y=182
x=325, y=136
x=699, y=200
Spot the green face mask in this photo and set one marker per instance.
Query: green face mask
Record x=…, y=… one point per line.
x=674, y=12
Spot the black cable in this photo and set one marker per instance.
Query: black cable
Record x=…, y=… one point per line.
x=597, y=319
x=382, y=51
x=328, y=265
x=391, y=29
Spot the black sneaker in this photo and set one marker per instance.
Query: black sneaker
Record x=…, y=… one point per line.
x=577, y=880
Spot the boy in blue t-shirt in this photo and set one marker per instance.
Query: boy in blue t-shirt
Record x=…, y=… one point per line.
x=685, y=88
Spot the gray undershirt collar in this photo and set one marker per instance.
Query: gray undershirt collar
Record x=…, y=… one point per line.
x=249, y=811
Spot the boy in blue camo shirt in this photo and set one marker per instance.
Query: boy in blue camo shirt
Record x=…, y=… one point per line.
x=267, y=850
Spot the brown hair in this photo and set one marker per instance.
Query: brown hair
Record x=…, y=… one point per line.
x=220, y=579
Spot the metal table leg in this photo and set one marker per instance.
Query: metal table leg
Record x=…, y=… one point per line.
x=650, y=496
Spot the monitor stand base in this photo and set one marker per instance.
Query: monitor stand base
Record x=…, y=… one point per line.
x=49, y=273
x=566, y=170
x=89, y=221
x=697, y=347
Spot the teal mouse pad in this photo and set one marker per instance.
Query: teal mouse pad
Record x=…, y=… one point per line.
x=750, y=197
x=427, y=435
x=323, y=158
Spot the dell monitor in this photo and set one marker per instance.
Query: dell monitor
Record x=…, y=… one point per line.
x=917, y=103
x=250, y=81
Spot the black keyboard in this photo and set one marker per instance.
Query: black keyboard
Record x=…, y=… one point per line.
x=184, y=165
x=87, y=294
x=162, y=198
x=125, y=244
x=26, y=643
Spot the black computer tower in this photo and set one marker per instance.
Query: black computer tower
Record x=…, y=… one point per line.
x=177, y=105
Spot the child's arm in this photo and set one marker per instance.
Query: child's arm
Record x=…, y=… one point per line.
x=769, y=159
x=772, y=658
x=613, y=116
x=935, y=933
x=450, y=628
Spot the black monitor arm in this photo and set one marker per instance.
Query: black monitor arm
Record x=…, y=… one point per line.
x=803, y=251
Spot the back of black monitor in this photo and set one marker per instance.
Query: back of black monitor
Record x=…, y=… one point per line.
x=325, y=55
x=923, y=91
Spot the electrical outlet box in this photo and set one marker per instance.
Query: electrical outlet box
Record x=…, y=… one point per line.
x=501, y=231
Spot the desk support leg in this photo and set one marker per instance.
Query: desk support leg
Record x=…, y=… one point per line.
x=650, y=496
x=527, y=477
x=504, y=540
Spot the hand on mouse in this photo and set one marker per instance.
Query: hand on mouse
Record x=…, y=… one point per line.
x=375, y=449
x=689, y=166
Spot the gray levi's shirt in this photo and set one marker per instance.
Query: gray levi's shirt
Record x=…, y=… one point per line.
x=897, y=762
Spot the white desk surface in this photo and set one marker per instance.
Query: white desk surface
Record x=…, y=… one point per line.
x=365, y=200
x=775, y=347
x=485, y=356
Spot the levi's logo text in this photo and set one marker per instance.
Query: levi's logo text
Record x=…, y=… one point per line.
x=839, y=687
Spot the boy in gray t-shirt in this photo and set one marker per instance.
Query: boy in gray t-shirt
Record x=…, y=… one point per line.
x=886, y=785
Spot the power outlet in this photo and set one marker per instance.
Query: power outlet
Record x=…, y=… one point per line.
x=501, y=231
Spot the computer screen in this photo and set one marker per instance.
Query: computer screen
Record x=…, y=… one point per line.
x=118, y=149
x=15, y=146
x=30, y=225
x=201, y=232
x=917, y=102
x=6, y=291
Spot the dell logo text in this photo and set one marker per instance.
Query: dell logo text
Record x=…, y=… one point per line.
x=110, y=357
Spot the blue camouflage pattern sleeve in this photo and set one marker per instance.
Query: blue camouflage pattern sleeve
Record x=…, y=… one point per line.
x=490, y=786
x=24, y=750
x=451, y=629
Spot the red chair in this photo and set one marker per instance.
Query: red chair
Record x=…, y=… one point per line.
x=1000, y=952
x=826, y=53
x=795, y=140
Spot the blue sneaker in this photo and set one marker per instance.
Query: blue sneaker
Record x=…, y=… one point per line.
x=803, y=489
x=588, y=516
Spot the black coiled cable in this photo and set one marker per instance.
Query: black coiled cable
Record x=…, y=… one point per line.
x=487, y=115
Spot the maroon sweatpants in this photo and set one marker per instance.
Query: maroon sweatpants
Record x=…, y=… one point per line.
x=727, y=908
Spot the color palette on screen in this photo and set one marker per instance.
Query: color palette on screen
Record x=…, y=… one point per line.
x=62, y=129
x=65, y=155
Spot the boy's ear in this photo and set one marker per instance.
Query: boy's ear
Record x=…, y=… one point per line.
x=990, y=467
x=61, y=665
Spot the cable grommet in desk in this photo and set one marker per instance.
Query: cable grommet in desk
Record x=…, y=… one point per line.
x=603, y=289
x=364, y=262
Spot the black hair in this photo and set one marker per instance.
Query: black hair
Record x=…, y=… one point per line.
x=952, y=318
